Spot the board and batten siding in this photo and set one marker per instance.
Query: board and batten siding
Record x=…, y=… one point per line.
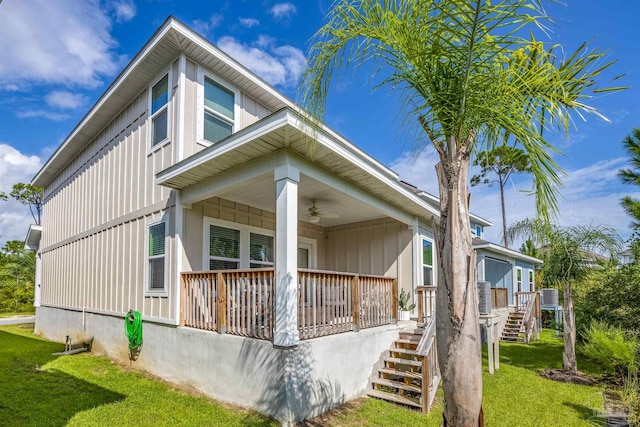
x=250, y=110
x=380, y=246
x=227, y=210
x=95, y=218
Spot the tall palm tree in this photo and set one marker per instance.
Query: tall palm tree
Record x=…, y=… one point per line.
x=568, y=253
x=468, y=78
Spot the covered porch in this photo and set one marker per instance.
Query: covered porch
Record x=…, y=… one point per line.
x=289, y=233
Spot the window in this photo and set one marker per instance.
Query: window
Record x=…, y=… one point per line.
x=217, y=114
x=532, y=286
x=159, y=109
x=156, y=269
x=476, y=230
x=260, y=251
x=224, y=248
x=427, y=262
x=519, y=279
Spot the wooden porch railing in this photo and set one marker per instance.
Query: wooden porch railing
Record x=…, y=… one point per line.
x=532, y=312
x=499, y=297
x=238, y=302
x=523, y=298
x=426, y=303
x=241, y=302
x=332, y=302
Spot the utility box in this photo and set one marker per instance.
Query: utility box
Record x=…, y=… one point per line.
x=549, y=296
x=484, y=297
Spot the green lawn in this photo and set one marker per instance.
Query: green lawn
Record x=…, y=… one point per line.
x=2, y=315
x=38, y=389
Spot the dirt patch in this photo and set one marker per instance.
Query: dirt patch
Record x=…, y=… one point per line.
x=565, y=377
x=329, y=418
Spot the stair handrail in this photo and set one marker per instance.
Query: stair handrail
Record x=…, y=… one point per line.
x=528, y=320
x=430, y=369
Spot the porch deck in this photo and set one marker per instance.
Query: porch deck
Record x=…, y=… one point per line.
x=242, y=302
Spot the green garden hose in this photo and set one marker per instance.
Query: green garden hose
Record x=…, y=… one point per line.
x=133, y=330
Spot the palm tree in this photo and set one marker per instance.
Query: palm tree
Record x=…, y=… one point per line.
x=468, y=78
x=630, y=204
x=568, y=252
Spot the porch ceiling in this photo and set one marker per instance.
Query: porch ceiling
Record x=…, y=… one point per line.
x=260, y=192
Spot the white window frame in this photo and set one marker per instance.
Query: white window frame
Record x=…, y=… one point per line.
x=245, y=240
x=202, y=73
x=532, y=283
x=168, y=106
x=312, y=246
x=156, y=292
x=421, y=260
x=518, y=283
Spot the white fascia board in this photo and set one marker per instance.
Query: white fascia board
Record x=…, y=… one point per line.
x=508, y=252
x=151, y=44
x=255, y=131
x=374, y=168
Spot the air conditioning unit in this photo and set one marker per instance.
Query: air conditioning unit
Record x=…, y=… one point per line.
x=549, y=296
x=484, y=297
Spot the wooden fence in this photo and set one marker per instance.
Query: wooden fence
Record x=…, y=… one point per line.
x=426, y=303
x=241, y=302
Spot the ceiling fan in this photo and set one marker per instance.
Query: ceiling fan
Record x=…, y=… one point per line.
x=314, y=214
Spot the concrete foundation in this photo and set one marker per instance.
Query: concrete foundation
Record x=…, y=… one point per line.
x=289, y=384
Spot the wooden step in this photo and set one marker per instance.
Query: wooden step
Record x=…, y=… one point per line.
x=405, y=351
x=407, y=362
x=407, y=341
x=400, y=373
x=396, y=384
x=379, y=394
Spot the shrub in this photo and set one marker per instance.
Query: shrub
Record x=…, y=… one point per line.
x=609, y=346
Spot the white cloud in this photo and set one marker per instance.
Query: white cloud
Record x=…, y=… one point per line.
x=15, y=167
x=590, y=195
x=65, y=100
x=64, y=41
x=249, y=22
x=125, y=10
x=43, y=114
x=282, y=10
x=279, y=65
x=203, y=27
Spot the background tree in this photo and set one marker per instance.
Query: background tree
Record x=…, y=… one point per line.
x=3, y=196
x=468, y=78
x=502, y=162
x=17, y=273
x=569, y=253
x=29, y=195
x=528, y=248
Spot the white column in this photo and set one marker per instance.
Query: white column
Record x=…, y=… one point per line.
x=286, y=266
x=417, y=270
x=38, y=285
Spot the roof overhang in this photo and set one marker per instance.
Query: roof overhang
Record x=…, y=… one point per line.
x=501, y=250
x=171, y=40
x=435, y=201
x=32, y=241
x=289, y=130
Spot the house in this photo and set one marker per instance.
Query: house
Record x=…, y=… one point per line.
x=264, y=253
x=626, y=257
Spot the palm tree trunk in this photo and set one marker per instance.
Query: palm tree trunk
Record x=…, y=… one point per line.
x=457, y=325
x=504, y=215
x=569, y=363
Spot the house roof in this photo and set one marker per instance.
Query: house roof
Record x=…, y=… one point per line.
x=32, y=241
x=495, y=248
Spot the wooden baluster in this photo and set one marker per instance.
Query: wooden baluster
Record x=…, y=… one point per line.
x=355, y=300
x=222, y=304
x=394, y=300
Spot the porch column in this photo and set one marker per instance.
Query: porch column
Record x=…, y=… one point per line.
x=286, y=265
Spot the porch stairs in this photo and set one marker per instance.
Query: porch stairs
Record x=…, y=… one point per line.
x=514, y=328
x=409, y=376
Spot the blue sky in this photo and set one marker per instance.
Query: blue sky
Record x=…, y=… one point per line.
x=57, y=57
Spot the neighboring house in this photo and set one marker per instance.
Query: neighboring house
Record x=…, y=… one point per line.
x=192, y=193
x=626, y=257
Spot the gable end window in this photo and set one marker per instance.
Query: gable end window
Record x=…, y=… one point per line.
x=217, y=109
x=159, y=111
x=156, y=255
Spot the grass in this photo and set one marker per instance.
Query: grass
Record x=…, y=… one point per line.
x=515, y=396
x=2, y=315
x=86, y=390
